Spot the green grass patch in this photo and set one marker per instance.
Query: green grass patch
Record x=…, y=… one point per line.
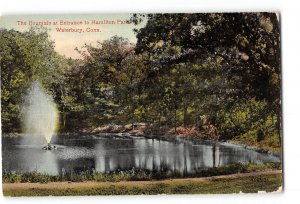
x=134, y=175
x=251, y=184
x=270, y=143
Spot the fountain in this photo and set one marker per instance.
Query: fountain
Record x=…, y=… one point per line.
x=39, y=114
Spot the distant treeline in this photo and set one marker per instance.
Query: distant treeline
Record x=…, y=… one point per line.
x=189, y=70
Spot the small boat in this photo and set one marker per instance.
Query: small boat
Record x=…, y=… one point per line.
x=49, y=147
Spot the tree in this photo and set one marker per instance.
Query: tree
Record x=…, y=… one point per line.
x=24, y=58
x=247, y=46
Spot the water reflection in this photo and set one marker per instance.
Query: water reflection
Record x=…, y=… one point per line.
x=30, y=159
x=106, y=154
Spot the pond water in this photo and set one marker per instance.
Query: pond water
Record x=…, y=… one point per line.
x=109, y=153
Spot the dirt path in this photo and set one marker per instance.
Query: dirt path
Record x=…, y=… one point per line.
x=92, y=184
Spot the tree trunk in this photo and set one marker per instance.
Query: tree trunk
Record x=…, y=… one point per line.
x=175, y=123
x=64, y=121
x=132, y=119
x=185, y=117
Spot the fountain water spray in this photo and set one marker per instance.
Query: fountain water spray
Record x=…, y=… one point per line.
x=39, y=113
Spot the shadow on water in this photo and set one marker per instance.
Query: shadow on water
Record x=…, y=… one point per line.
x=112, y=153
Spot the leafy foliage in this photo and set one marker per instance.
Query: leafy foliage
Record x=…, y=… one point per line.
x=215, y=71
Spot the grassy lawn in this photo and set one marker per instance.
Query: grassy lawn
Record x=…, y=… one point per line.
x=246, y=183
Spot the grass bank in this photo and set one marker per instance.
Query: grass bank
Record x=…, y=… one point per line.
x=134, y=175
x=269, y=144
x=246, y=183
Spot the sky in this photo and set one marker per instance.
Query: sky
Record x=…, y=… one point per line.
x=66, y=42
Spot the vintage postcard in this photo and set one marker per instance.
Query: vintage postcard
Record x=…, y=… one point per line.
x=127, y=104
